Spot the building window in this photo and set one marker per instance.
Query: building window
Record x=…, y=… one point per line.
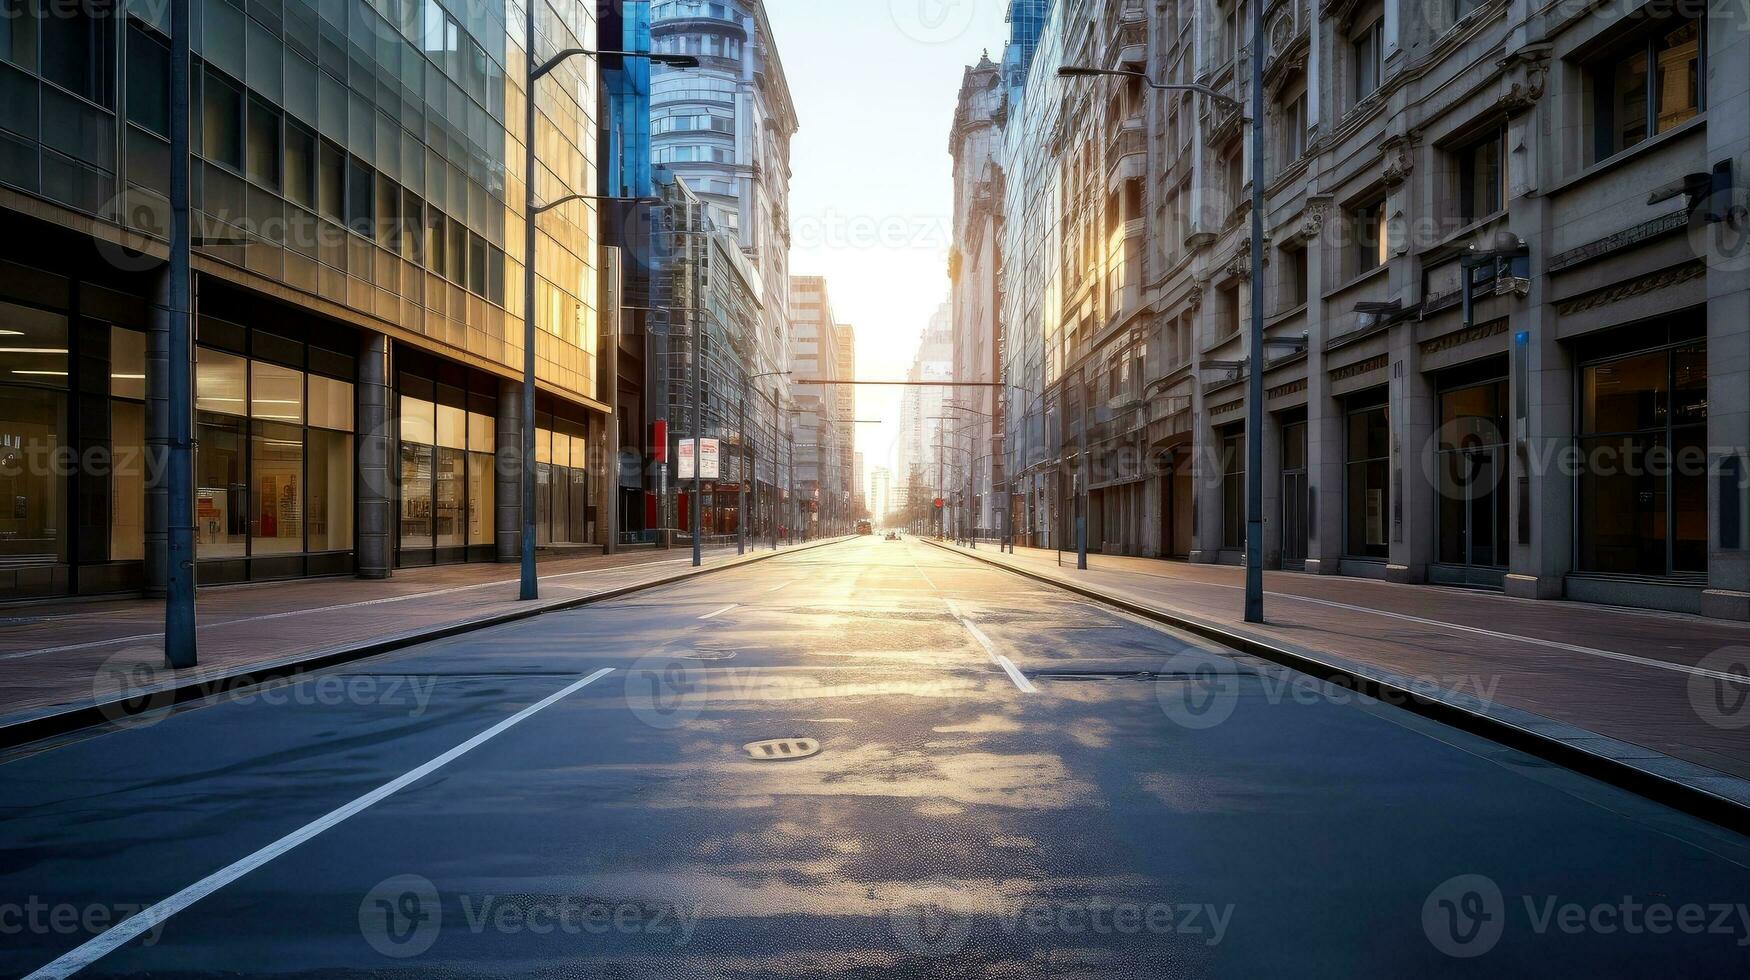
x=18, y=33
x=78, y=48
x=1643, y=446
x=300, y=168
x=1292, y=140
x=1368, y=51
x=1230, y=311
x=1293, y=288
x=148, y=78
x=1233, y=489
x=1367, y=482
x=1371, y=238
x=1482, y=177
x=331, y=181
x=264, y=143
x=1631, y=102
x=1234, y=168
x=222, y=120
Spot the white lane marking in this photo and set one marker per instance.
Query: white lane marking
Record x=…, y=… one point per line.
x=776, y=588
x=68, y=648
x=718, y=612
x=1626, y=658
x=144, y=921
x=1020, y=680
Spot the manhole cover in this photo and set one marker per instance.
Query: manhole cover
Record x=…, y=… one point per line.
x=781, y=749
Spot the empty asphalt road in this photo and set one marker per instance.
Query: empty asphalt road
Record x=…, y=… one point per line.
x=870, y=759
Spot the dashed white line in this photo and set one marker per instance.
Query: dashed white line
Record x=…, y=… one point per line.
x=144, y=921
x=718, y=612
x=1020, y=680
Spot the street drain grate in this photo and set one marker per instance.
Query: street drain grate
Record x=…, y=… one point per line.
x=781, y=749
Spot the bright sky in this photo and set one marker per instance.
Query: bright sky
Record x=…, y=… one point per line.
x=875, y=83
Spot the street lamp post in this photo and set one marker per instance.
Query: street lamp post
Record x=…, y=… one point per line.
x=1255, y=360
x=530, y=587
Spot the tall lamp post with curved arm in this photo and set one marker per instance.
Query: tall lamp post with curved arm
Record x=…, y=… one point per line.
x=526, y=479
x=1255, y=357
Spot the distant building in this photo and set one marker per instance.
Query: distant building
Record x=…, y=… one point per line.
x=814, y=358
x=925, y=432
x=724, y=128
x=974, y=266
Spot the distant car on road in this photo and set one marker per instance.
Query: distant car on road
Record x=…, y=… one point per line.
x=864, y=527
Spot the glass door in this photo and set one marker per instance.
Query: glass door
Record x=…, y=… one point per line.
x=1294, y=496
x=1472, y=464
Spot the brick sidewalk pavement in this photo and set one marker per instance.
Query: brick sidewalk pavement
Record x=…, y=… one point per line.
x=1645, y=677
x=57, y=655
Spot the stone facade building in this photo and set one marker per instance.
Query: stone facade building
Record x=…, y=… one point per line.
x=1507, y=292
x=974, y=143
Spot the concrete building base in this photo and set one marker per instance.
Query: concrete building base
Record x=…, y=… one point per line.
x=1724, y=604
x=1406, y=574
x=1533, y=586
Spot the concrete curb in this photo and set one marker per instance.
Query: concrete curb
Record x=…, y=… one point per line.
x=1701, y=792
x=34, y=726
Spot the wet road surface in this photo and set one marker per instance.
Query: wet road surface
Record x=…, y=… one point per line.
x=969, y=775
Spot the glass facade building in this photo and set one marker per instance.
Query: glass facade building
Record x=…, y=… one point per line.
x=357, y=210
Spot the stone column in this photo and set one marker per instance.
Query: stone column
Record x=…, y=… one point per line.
x=1412, y=410
x=1728, y=336
x=507, y=471
x=376, y=427
x=1324, y=416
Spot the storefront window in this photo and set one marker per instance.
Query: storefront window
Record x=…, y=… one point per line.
x=331, y=482
x=1643, y=450
x=32, y=496
x=482, y=445
x=276, y=500
x=1368, y=488
x=274, y=460
x=446, y=486
x=127, y=435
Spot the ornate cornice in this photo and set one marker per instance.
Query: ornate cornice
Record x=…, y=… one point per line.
x=1459, y=338
x=1627, y=238
x=1675, y=276
x=1375, y=363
